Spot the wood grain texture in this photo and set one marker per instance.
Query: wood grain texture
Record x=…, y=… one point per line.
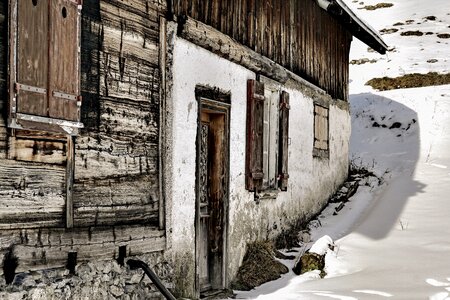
x=32, y=69
x=31, y=195
x=63, y=53
x=48, y=248
x=298, y=35
x=116, y=154
x=219, y=43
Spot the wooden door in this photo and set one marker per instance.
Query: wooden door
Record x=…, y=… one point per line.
x=212, y=195
x=204, y=213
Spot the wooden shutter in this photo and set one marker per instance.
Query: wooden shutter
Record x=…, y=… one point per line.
x=283, y=141
x=255, y=129
x=320, y=127
x=64, y=81
x=32, y=57
x=44, y=65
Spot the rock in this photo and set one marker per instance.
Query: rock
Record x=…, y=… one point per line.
x=304, y=236
x=135, y=279
x=395, y=125
x=339, y=207
x=309, y=262
x=82, y=269
x=14, y=296
x=116, y=268
x=116, y=291
x=28, y=281
x=38, y=294
x=107, y=269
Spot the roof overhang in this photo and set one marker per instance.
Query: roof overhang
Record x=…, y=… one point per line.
x=357, y=27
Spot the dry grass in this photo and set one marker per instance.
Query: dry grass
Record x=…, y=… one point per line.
x=410, y=33
x=409, y=81
x=258, y=267
x=377, y=6
x=444, y=35
x=362, y=61
x=388, y=30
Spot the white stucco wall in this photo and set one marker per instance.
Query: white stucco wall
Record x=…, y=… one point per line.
x=311, y=180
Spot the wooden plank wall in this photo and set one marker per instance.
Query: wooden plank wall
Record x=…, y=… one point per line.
x=116, y=154
x=116, y=171
x=297, y=34
x=3, y=75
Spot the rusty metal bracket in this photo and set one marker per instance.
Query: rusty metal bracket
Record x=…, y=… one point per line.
x=23, y=87
x=65, y=96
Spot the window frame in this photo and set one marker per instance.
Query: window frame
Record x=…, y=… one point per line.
x=41, y=122
x=266, y=166
x=272, y=93
x=321, y=152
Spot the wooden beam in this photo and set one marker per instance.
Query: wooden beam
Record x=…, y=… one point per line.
x=162, y=109
x=69, y=181
x=45, y=248
x=221, y=44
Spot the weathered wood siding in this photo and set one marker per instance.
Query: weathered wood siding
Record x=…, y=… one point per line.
x=297, y=34
x=116, y=165
x=3, y=76
x=116, y=154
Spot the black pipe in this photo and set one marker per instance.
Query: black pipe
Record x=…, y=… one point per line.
x=136, y=264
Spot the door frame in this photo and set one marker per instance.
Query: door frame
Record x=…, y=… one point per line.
x=216, y=106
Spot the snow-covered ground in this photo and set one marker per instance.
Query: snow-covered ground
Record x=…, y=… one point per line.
x=393, y=240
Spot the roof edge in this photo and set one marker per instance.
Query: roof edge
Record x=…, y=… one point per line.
x=358, y=27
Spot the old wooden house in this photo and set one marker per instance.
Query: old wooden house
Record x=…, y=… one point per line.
x=182, y=128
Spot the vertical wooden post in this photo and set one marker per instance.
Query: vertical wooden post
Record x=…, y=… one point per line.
x=162, y=116
x=69, y=181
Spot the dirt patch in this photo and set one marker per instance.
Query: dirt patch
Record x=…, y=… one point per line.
x=444, y=35
x=409, y=21
x=412, y=33
x=259, y=266
x=388, y=30
x=409, y=81
x=377, y=6
x=432, y=61
x=362, y=61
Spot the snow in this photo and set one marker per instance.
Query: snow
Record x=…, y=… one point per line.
x=392, y=239
x=322, y=245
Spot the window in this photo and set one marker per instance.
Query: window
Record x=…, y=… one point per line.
x=44, y=65
x=321, y=130
x=267, y=136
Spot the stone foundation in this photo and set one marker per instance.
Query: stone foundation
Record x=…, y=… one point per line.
x=91, y=281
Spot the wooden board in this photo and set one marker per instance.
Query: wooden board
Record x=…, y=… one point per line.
x=31, y=195
x=64, y=59
x=33, y=67
x=48, y=248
